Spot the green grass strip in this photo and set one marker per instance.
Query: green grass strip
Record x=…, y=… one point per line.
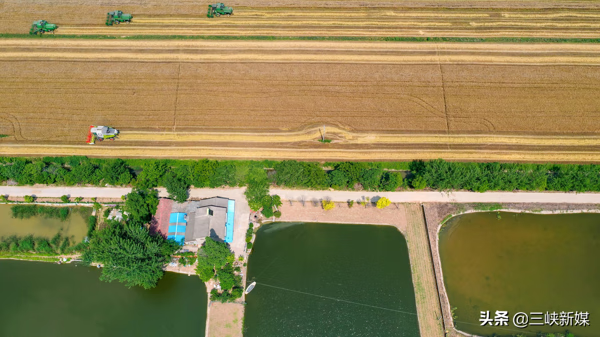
x=28, y=257
x=312, y=38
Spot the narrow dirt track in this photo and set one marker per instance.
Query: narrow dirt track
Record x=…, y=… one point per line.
x=460, y=101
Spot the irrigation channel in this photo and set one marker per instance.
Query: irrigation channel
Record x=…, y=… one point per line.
x=522, y=263
x=74, y=226
x=45, y=299
x=330, y=280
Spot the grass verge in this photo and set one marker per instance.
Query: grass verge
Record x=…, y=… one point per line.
x=28, y=257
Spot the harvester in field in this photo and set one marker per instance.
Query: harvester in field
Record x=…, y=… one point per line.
x=100, y=133
x=41, y=27
x=219, y=9
x=116, y=17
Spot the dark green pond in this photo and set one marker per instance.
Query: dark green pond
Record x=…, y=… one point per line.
x=44, y=299
x=330, y=280
x=522, y=263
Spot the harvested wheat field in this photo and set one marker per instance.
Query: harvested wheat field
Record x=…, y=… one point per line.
x=358, y=22
x=85, y=19
x=278, y=95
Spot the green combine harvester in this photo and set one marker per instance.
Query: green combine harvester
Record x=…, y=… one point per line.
x=218, y=10
x=41, y=27
x=116, y=17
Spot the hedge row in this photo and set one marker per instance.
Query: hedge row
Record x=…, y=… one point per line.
x=179, y=175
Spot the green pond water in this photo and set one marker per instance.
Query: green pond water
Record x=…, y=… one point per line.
x=522, y=263
x=44, y=299
x=330, y=280
x=75, y=226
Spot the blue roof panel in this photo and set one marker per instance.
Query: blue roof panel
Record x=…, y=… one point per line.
x=229, y=223
x=177, y=217
x=177, y=228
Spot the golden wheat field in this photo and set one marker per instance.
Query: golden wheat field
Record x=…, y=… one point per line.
x=82, y=18
x=249, y=85
x=374, y=94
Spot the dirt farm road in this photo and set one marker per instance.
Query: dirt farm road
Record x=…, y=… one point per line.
x=243, y=99
x=311, y=195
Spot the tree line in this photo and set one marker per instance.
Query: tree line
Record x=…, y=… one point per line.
x=28, y=244
x=179, y=175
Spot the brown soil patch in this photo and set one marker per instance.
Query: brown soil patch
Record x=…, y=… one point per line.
x=225, y=320
x=311, y=211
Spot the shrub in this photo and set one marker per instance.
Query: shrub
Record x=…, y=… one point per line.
x=78, y=199
x=64, y=199
x=328, y=204
x=277, y=214
x=350, y=203
x=383, y=202
x=419, y=183
x=3, y=198
x=29, y=198
x=390, y=181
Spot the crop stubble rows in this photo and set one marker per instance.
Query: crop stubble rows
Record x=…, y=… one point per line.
x=266, y=93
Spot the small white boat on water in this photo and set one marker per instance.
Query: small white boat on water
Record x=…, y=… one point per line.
x=250, y=287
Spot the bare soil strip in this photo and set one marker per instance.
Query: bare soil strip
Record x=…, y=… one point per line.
x=428, y=304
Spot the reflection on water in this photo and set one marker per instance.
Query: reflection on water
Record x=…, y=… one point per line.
x=74, y=226
x=45, y=299
x=522, y=263
x=330, y=280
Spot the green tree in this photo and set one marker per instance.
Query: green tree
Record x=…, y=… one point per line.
x=370, y=178
x=116, y=172
x=215, y=258
x=352, y=170
x=258, y=188
x=177, y=188
x=141, y=205
x=217, y=253
x=337, y=179
x=390, y=181
x=224, y=175
x=130, y=254
x=64, y=198
x=419, y=183
x=202, y=172
x=152, y=174
x=226, y=277
x=29, y=198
